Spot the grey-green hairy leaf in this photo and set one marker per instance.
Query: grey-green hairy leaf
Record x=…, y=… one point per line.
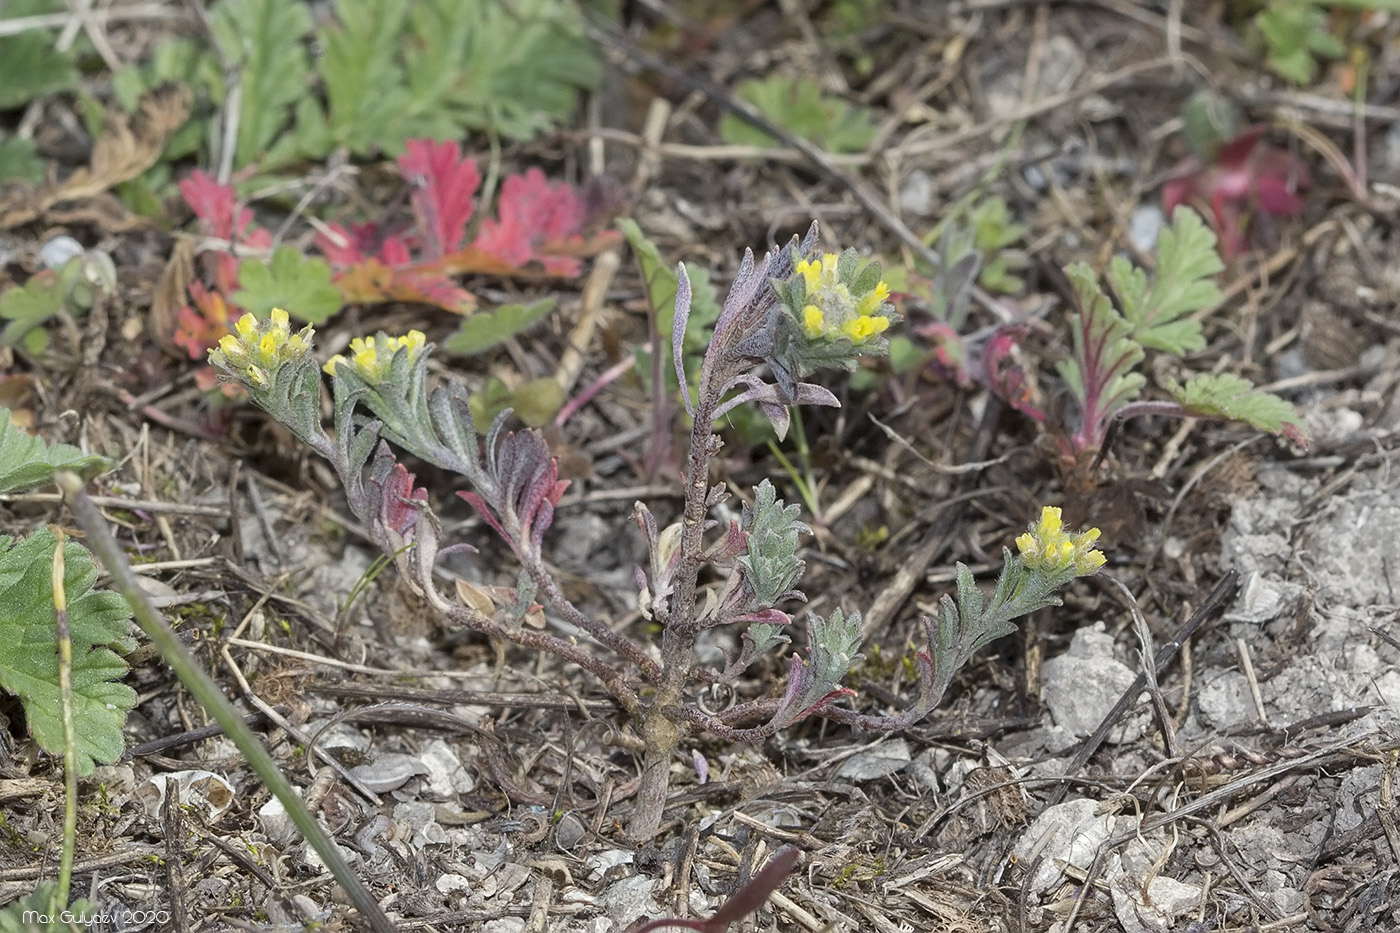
x=771, y=564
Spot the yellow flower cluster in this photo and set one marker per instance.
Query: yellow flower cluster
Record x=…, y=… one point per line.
x=371, y=356
x=832, y=311
x=1049, y=548
x=257, y=349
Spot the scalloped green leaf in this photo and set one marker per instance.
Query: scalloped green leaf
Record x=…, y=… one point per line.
x=1232, y=397
x=98, y=622
x=799, y=105
x=291, y=281
x=486, y=329
x=27, y=461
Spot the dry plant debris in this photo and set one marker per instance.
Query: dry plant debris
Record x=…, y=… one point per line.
x=1209, y=745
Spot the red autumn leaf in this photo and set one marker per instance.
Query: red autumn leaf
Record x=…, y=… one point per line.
x=1005, y=376
x=402, y=502
x=198, y=328
x=215, y=206
x=444, y=184
x=537, y=222
x=371, y=280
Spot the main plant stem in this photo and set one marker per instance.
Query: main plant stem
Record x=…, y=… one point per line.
x=660, y=732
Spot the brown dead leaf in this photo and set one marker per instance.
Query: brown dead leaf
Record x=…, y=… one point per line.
x=128, y=146
x=131, y=144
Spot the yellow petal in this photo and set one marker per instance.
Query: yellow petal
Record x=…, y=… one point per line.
x=247, y=327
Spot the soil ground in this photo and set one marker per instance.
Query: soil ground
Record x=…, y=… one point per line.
x=1249, y=788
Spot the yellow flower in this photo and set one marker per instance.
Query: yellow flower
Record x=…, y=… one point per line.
x=246, y=327
x=257, y=349
x=864, y=327
x=873, y=300
x=830, y=311
x=1047, y=547
x=818, y=272
x=371, y=357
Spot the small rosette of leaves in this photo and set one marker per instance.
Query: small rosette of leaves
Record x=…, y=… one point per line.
x=815, y=684
x=771, y=566
x=1108, y=345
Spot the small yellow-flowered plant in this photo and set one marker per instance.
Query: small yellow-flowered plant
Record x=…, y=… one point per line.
x=837, y=303
x=1048, y=547
x=257, y=349
x=371, y=356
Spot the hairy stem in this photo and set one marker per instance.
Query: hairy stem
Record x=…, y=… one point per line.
x=541, y=641
x=624, y=647
x=660, y=731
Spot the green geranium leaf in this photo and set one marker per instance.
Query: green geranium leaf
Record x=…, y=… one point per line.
x=98, y=621
x=1187, y=262
x=291, y=281
x=1228, y=396
x=486, y=329
x=799, y=105
x=26, y=461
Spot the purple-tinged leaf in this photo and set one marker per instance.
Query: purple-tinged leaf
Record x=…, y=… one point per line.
x=678, y=324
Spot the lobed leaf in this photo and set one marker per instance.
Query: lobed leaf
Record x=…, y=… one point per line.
x=1226, y=395
x=1186, y=263
x=514, y=66
x=27, y=461
x=363, y=78
x=98, y=621
x=292, y=281
x=264, y=41
x=799, y=105
x=487, y=329
x=444, y=186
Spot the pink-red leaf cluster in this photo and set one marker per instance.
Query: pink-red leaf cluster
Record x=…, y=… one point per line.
x=1246, y=178
x=535, y=223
